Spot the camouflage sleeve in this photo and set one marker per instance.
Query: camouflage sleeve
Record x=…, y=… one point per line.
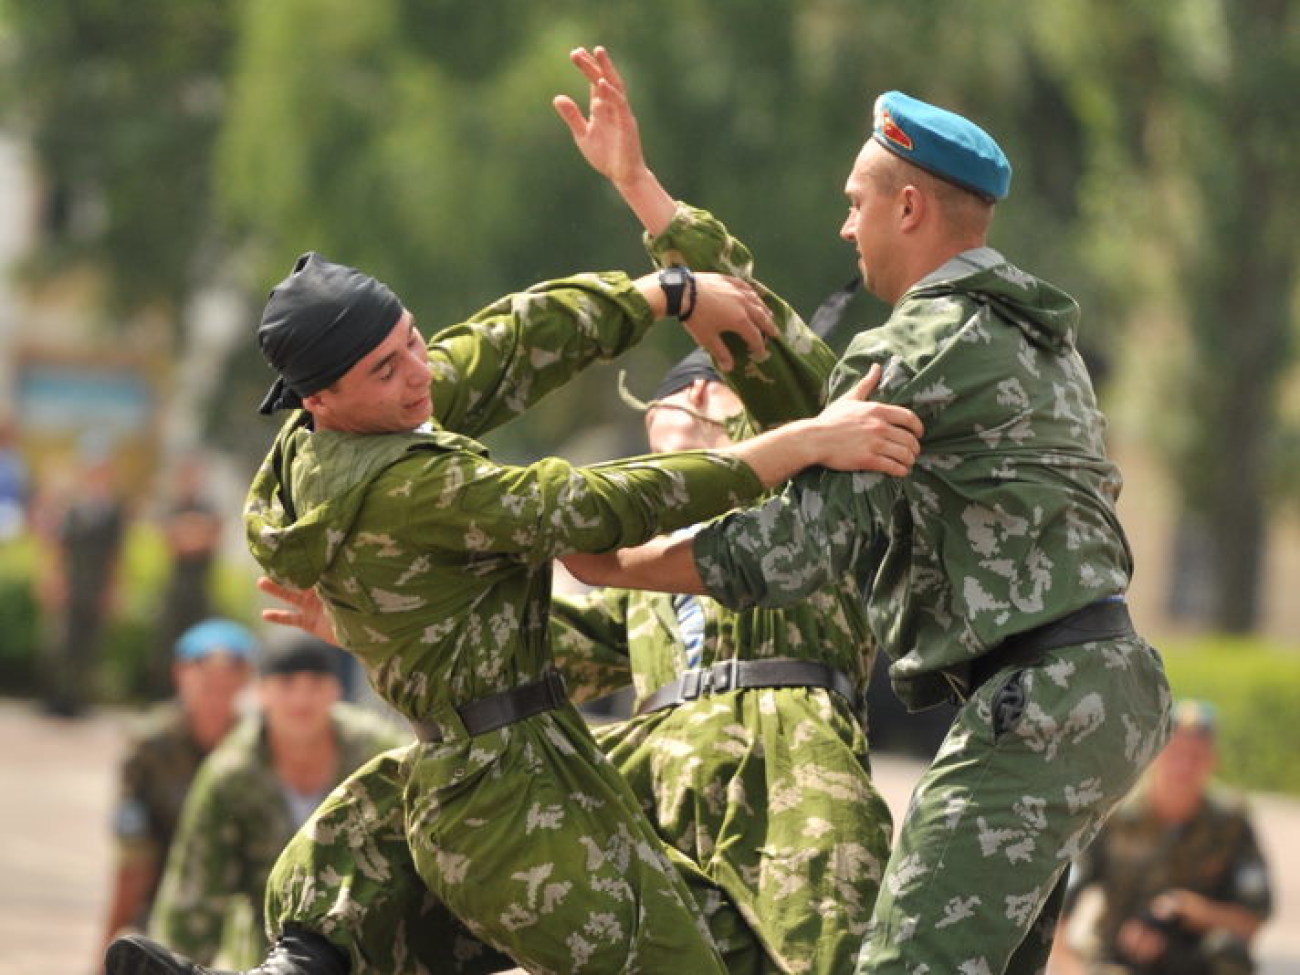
x=589, y=638
x=189, y=912
x=818, y=529
x=467, y=503
x=508, y=356
x=790, y=381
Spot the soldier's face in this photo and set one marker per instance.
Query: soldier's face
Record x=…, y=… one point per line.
x=871, y=226
x=297, y=705
x=693, y=418
x=387, y=391
x=1185, y=763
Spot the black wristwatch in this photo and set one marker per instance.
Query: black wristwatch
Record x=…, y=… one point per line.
x=678, y=284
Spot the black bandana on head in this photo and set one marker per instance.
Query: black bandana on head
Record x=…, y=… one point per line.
x=318, y=323
x=696, y=365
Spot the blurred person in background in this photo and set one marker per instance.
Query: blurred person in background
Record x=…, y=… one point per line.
x=87, y=549
x=191, y=527
x=253, y=793
x=212, y=665
x=13, y=483
x=1175, y=883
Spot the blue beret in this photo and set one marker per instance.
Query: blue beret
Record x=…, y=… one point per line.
x=942, y=143
x=1198, y=717
x=215, y=636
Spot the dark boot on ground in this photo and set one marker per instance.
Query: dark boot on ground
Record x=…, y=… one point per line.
x=297, y=952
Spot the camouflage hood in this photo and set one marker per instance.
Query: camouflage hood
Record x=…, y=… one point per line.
x=309, y=492
x=1044, y=313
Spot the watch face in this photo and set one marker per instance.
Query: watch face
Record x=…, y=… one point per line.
x=674, y=275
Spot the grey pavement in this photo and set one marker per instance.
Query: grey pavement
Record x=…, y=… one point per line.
x=57, y=780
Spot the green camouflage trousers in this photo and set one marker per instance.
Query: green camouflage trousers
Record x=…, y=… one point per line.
x=768, y=792
x=1032, y=766
x=348, y=874
x=583, y=886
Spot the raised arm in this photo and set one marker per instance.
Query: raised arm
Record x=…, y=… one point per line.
x=784, y=381
x=503, y=360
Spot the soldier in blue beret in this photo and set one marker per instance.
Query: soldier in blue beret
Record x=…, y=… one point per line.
x=994, y=574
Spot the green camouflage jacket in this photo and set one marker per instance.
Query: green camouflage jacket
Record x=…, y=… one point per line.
x=234, y=824
x=434, y=561
x=1008, y=519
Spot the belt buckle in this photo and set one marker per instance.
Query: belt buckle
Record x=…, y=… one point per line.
x=557, y=692
x=725, y=675
x=694, y=683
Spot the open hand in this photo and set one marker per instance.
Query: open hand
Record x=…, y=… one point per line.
x=305, y=610
x=864, y=435
x=607, y=136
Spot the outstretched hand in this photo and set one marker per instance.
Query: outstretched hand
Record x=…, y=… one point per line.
x=305, y=610
x=865, y=435
x=607, y=137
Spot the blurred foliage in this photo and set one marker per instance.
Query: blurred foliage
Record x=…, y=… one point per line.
x=1255, y=686
x=121, y=103
x=19, y=616
x=1155, y=149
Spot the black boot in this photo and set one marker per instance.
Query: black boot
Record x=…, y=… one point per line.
x=297, y=952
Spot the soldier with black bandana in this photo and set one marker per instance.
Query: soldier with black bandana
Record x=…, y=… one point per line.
x=434, y=562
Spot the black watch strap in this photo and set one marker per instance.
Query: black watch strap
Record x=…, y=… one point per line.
x=678, y=284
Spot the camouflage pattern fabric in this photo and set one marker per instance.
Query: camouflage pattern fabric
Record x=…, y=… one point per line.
x=348, y=874
x=1136, y=857
x=161, y=761
x=1006, y=522
x=767, y=791
x=235, y=823
x=434, y=562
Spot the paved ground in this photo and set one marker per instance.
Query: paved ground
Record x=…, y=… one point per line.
x=56, y=784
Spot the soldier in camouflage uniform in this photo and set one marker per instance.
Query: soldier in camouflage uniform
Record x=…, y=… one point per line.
x=435, y=564
x=252, y=794
x=767, y=789
x=995, y=573
x=210, y=668
x=1183, y=887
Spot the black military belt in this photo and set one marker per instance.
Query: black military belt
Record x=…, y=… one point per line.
x=1106, y=619
x=498, y=710
x=732, y=675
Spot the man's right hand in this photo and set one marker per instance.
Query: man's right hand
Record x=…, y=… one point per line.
x=610, y=141
x=305, y=610
x=863, y=435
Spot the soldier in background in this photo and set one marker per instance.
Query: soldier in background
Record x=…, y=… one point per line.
x=253, y=792
x=211, y=666
x=1176, y=881
x=88, y=545
x=191, y=527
